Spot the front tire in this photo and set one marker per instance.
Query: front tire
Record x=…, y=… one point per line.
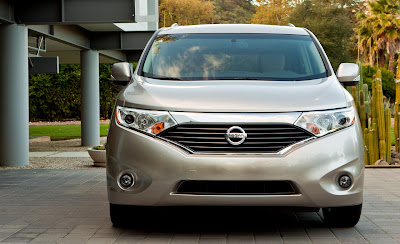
x=342, y=216
x=120, y=214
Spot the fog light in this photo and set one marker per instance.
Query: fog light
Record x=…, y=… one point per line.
x=344, y=181
x=126, y=180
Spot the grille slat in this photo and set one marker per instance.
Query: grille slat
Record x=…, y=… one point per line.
x=226, y=143
x=196, y=133
x=210, y=138
x=278, y=138
x=278, y=133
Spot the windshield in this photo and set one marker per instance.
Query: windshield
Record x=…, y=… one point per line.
x=233, y=56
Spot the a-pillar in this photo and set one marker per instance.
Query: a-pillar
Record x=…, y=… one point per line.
x=14, y=95
x=90, y=110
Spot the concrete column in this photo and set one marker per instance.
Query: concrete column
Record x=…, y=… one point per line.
x=90, y=112
x=14, y=95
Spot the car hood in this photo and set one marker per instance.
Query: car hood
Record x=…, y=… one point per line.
x=235, y=95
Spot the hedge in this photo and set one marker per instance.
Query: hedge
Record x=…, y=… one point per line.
x=58, y=96
x=388, y=84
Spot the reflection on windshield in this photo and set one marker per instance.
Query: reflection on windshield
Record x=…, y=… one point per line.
x=233, y=56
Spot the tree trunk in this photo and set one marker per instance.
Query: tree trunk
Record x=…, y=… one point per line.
x=382, y=59
x=391, y=63
x=371, y=59
x=392, y=68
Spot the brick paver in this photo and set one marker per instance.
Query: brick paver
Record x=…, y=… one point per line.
x=70, y=206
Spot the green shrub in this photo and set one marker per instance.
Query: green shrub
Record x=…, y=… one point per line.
x=58, y=96
x=108, y=92
x=55, y=96
x=388, y=84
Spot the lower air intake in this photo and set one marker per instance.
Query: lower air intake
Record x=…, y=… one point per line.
x=236, y=188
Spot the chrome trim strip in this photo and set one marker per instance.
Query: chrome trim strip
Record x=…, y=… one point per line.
x=185, y=117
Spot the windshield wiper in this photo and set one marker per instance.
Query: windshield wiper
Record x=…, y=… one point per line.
x=240, y=78
x=165, y=78
x=209, y=78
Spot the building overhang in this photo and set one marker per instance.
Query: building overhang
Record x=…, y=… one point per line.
x=70, y=26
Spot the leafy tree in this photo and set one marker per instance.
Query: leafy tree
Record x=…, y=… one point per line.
x=273, y=12
x=185, y=12
x=332, y=23
x=232, y=11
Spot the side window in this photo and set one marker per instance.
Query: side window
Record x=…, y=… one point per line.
x=147, y=66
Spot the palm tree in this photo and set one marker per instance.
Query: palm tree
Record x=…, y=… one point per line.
x=367, y=40
x=379, y=31
x=385, y=14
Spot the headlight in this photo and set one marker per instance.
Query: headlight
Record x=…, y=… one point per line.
x=152, y=122
x=322, y=123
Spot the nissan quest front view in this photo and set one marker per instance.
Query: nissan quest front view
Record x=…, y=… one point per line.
x=236, y=115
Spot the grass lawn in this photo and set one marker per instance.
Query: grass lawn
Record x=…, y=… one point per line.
x=62, y=130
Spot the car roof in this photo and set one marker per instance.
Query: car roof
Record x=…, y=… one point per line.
x=235, y=28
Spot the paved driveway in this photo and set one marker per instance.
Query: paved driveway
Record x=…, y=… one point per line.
x=70, y=206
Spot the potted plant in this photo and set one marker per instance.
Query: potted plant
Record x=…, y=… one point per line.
x=98, y=154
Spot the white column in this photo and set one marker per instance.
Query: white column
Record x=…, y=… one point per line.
x=14, y=95
x=90, y=110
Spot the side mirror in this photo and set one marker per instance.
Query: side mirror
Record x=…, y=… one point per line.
x=121, y=74
x=348, y=74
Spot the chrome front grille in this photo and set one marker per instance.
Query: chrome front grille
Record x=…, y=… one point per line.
x=210, y=138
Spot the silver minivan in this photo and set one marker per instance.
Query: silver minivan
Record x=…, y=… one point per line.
x=236, y=115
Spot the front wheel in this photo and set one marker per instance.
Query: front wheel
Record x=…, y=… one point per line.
x=121, y=215
x=342, y=216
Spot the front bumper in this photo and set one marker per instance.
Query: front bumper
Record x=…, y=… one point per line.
x=159, y=166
